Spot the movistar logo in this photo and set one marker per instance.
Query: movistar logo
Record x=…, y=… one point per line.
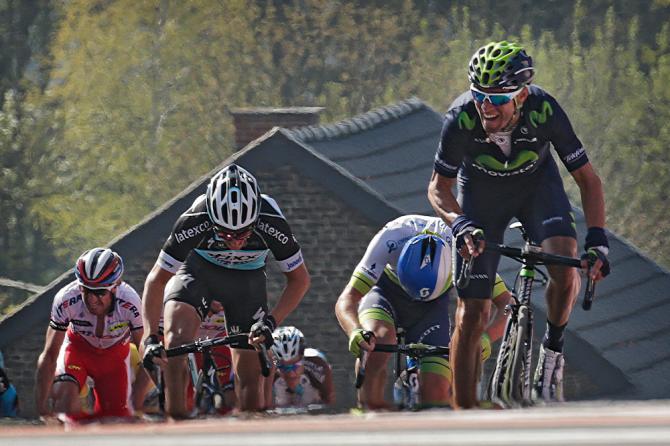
x=525, y=157
x=464, y=120
x=537, y=118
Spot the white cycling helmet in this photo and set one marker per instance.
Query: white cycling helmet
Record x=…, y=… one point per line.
x=233, y=199
x=289, y=344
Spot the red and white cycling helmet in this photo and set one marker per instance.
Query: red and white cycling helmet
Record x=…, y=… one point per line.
x=99, y=269
x=233, y=199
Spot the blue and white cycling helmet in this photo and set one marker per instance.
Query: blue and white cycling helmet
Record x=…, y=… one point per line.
x=424, y=267
x=289, y=343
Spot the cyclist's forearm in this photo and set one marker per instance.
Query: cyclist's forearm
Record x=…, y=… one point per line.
x=442, y=198
x=152, y=299
x=592, y=195
x=46, y=367
x=346, y=309
x=297, y=284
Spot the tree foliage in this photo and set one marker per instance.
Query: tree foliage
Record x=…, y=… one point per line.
x=111, y=107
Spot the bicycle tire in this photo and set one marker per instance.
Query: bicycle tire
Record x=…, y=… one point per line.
x=519, y=386
x=497, y=386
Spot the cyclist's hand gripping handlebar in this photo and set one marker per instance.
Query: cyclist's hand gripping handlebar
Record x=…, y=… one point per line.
x=463, y=279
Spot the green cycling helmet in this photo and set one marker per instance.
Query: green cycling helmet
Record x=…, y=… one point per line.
x=501, y=65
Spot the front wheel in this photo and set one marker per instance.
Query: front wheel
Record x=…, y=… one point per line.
x=498, y=389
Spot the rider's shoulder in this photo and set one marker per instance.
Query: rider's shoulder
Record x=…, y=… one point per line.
x=313, y=354
x=540, y=106
x=127, y=292
x=462, y=114
x=68, y=291
x=270, y=207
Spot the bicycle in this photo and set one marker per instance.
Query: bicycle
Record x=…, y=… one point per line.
x=208, y=392
x=510, y=382
x=406, y=388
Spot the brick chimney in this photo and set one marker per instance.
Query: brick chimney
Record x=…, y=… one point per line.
x=250, y=123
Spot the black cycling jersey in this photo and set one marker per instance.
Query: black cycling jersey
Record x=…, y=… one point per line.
x=465, y=145
x=192, y=234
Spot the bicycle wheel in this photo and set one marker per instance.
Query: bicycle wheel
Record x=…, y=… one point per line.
x=519, y=377
x=499, y=381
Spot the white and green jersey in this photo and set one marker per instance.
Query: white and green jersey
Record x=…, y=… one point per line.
x=384, y=250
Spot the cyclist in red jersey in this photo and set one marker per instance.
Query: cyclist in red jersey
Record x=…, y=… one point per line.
x=93, y=320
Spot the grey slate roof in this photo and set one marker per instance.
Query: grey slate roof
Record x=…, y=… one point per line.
x=392, y=150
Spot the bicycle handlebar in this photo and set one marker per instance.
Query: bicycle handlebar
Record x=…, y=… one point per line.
x=240, y=341
x=544, y=258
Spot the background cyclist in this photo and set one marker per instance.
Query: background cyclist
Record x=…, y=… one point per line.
x=93, y=320
x=218, y=249
x=496, y=138
x=374, y=302
x=303, y=375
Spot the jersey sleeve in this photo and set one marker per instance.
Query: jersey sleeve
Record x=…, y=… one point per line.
x=383, y=249
x=59, y=319
x=566, y=143
x=186, y=234
x=449, y=151
x=278, y=236
x=133, y=305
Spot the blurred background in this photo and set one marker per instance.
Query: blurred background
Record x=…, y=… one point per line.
x=109, y=108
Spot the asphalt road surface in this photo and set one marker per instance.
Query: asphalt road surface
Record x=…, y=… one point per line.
x=592, y=423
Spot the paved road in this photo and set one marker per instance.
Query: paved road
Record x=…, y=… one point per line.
x=594, y=423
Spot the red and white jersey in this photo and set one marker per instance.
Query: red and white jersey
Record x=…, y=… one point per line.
x=213, y=326
x=69, y=311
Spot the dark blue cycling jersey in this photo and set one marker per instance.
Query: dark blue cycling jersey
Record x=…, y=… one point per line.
x=464, y=144
x=494, y=188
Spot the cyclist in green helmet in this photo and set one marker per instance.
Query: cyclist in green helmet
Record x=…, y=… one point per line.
x=496, y=139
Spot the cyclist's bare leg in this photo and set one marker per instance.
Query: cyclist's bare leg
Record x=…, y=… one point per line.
x=249, y=383
x=471, y=318
x=371, y=394
x=435, y=389
x=564, y=282
x=181, y=324
x=65, y=396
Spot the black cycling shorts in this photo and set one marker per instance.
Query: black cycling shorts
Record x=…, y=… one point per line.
x=242, y=293
x=538, y=201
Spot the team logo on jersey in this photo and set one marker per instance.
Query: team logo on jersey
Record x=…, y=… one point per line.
x=525, y=161
x=186, y=234
x=540, y=117
x=273, y=232
x=465, y=120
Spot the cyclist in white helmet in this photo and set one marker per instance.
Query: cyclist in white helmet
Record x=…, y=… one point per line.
x=218, y=250
x=303, y=375
x=93, y=320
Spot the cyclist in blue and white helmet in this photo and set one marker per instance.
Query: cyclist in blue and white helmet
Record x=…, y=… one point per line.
x=424, y=267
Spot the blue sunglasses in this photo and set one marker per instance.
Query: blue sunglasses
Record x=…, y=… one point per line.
x=496, y=99
x=289, y=367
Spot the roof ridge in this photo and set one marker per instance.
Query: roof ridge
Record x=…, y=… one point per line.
x=358, y=123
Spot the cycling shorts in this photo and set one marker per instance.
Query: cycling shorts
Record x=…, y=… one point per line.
x=539, y=202
x=426, y=322
x=108, y=367
x=242, y=293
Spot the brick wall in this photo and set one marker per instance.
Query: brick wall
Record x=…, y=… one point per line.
x=333, y=239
